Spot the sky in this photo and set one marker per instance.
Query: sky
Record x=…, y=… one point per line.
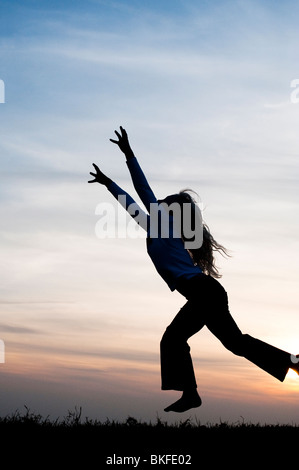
x=204, y=91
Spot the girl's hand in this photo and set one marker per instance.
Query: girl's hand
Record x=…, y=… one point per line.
x=99, y=176
x=123, y=143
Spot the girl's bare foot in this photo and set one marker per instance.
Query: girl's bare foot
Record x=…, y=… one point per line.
x=188, y=400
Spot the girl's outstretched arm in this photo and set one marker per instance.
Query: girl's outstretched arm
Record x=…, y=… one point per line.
x=123, y=143
x=122, y=197
x=140, y=182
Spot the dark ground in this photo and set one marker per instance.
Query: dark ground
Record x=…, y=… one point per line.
x=29, y=439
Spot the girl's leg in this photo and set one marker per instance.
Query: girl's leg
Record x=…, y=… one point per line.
x=220, y=322
x=177, y=371
x=208, y=305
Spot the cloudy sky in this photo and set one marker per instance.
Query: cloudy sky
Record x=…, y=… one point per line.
x=204, y=91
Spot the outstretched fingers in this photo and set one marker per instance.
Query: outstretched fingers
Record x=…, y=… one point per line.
x=96, y=167
x=94, y=180
x=121, y=136
x=94, y=174
x=123, y=131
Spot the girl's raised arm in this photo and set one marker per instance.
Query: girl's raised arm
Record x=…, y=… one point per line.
x=140, y=182
x=122, y=196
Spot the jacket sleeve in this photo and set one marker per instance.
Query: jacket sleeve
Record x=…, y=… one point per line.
x=128, y=203
x=140, y=183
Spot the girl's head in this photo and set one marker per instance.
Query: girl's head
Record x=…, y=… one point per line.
x=203, y=256
x=181, y=198
x=186, y=217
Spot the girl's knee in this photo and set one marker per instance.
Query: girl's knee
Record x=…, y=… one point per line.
x=169, y=336
x=173, y=337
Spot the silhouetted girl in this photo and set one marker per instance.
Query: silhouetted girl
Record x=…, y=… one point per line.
x=193, y=273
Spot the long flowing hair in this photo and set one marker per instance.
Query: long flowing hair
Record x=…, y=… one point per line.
x=204, y=256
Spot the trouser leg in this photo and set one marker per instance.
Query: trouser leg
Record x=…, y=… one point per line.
x=207, y=305
x=177, y=371
x=210, y=307
x=269, y=358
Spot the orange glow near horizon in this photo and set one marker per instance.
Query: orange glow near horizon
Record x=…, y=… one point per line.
x=238, y=380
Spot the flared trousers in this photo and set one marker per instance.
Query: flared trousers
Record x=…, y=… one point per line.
x=207, y=305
